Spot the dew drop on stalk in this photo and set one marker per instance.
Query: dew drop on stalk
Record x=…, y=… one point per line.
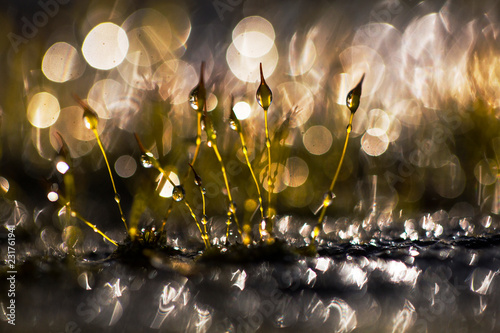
x=178, y=193
x=264, y=94
x=117, y=198
x=232, y=124
x=232, y=208
x=204, y=219
x=328, y=198
x=197, y=96
x=193, y=98
x=147, y=160
x=353, y=97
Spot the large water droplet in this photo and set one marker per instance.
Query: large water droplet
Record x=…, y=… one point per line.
x=353, y=97
x=264, y=94
x=197, y=96
x=178, y=193
x=147, y=160
x=194, y=99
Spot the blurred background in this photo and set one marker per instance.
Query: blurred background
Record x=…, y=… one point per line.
x=425, y=139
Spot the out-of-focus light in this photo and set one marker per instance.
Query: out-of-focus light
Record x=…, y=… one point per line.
x=43, y=110
x=166, y=191
x=53, y=196
x=105, y=46
x=211, y=102
x=486, y=171
x=299, y=171
x=301, y=57
x=253, y=44
x=62, y=63
x=174, y=79
x=71, y=122
x=62, y=167
x=449, y=180
x=296, y=97
x=254, y=23
x=378, y=122
x=317, y=140
x=360, y=59
x=374, y=145
x=242, y=110
x=342, y=84
x=149, y=43
x=247, y=69
x=4, y=185
x=104, y=96
x=125, y=166
x=282, y=177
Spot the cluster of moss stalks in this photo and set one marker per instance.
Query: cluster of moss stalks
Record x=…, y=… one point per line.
x=141, y=243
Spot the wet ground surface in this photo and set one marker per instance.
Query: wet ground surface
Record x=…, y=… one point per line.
x=447, y=284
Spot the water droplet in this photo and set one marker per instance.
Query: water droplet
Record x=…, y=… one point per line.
x=233, y=125
x=202, y=124
x=194, y=98
x=147, y=160
x=204, y=219
x=95, y=229
x=264, y=94
x=204, y=190
x=353, y=97
x=178, y=193
x=328, y=198
x=197, y=96
x=232, y=208
x=117, y=198
x=209, y=143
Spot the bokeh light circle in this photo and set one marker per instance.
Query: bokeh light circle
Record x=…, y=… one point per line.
x=378, y=122
x=298, y=170
x=242, y=110
x=374, y=145
x=254, y=24
x=62, y=63
x=247, y=69
x=105, y=46
x=125, y=166
x=317, y=140
x=253, y=44
x=43, y=110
